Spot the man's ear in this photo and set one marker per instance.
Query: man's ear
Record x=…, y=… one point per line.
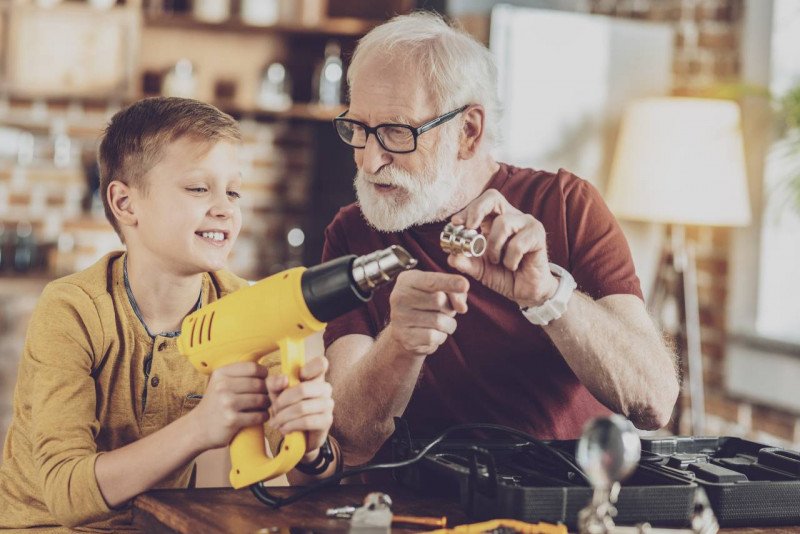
x=119, y=198
x=472, y=131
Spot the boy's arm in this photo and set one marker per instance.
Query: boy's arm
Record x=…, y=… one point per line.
x=55, y=377
x=235, y=397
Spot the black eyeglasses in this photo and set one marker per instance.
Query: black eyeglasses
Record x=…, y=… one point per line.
x=396, y=138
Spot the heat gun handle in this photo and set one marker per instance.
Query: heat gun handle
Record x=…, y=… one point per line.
x=249, y=461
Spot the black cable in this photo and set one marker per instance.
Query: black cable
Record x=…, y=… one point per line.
x=265, y=497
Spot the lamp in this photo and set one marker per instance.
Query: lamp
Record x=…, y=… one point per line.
x=680, y=161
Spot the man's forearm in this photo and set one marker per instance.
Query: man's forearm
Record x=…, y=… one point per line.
x=369, y=394
x=128, y=471
x=621, y=359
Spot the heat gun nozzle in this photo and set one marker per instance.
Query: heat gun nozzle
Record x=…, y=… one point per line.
x=382, y=266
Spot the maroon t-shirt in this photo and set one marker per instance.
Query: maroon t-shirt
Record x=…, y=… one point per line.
x=497, y=367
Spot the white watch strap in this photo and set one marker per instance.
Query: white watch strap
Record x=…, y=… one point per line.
x=555, y=307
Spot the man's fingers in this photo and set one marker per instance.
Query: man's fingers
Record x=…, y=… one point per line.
x=502, y=230
x=432, y=282
x=437, y=321
x=523, y=242
x=458, y=302
x=470, y=266
x=438, y=301
x=490, y=202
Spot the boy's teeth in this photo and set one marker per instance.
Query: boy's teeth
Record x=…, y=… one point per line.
x=216, y=236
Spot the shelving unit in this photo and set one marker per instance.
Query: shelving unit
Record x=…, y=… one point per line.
x=334, y=27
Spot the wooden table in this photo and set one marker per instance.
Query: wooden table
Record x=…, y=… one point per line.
x=231, y=511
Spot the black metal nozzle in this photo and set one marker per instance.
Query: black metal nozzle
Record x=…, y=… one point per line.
x=335, y=287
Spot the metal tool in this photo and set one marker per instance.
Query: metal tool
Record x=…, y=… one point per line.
x=456, y=239
x=373, y=514
x=609, y=451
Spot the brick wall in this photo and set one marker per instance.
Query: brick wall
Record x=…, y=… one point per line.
x=708, y=36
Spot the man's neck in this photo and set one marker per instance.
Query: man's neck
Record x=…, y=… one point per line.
x=164, y=298
x=479, y=171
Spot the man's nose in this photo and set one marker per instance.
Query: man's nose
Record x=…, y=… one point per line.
x=372, y=157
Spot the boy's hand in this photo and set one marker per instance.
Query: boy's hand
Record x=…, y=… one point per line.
x=236, y=397
x=306, y=407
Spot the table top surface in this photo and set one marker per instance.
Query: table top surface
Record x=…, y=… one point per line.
x=233, y=511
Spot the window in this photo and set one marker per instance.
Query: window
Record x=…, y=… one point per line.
x=778, y=309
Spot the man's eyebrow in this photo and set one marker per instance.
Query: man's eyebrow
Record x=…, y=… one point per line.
x=400, y=119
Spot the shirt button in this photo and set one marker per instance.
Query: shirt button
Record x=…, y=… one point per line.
x=155, y=381
x=162, y=345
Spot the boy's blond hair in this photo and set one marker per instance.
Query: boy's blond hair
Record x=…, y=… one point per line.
x=135, y=139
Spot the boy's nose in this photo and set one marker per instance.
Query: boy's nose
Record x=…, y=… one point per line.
x=222, y=209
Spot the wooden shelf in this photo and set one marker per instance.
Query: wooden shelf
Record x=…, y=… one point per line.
x=343, y=27
x=300, y=111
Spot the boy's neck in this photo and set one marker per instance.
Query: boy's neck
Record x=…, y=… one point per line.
x=163, y=298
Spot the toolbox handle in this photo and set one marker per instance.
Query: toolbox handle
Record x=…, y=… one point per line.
x=487, y=486
x=782, y=459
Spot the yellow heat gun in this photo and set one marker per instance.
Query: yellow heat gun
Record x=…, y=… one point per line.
x=277, y=313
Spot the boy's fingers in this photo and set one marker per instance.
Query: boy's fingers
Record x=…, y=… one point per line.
x=308, y=423
x=245, y=385
x=314, y=368
x=304, y=390
x=300, y=410
x=250, y=402
x=244, y=369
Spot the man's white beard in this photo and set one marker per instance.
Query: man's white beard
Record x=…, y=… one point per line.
x=431, y=196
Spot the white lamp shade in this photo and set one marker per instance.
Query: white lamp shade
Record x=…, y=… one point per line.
x=680, y=161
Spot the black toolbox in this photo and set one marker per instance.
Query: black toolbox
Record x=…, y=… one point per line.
x=536, y=481
x=747, y=483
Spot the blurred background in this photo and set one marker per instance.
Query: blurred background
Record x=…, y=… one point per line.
x=684, y=113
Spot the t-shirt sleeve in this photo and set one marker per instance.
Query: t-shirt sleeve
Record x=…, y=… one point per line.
x=600, y=258
x=356, y=321
x=56, y=373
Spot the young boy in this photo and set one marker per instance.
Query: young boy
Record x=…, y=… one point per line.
x=105, y=407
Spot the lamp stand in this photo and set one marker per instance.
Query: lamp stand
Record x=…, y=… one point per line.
x=676, y=278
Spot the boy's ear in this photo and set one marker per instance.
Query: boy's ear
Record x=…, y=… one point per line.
x=119, y=199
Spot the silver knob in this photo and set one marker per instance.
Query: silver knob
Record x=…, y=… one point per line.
x=609, y=450
x=460, y=240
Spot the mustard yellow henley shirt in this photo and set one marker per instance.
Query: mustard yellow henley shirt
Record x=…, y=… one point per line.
x=82, y=390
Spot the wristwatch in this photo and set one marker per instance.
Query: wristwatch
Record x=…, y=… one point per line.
x=321, y=463
x=555, y=307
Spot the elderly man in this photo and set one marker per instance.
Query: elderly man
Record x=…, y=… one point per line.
x=505, y=338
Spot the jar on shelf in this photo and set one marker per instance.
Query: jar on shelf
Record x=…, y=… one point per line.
x=212, y=11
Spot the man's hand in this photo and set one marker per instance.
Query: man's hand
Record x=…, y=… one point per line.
x=236, y=397
x=423, y=309
x=306, y=407
x=515, y=263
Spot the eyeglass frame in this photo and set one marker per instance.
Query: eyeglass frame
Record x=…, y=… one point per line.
x=415, y=132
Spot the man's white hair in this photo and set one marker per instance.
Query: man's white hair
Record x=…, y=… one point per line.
x=456, y=68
